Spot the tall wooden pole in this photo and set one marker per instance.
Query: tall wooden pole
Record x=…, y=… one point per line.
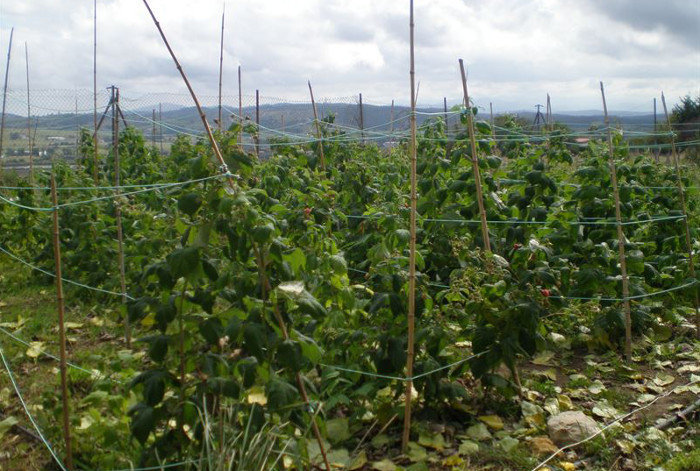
x=4, y=100
x=257, y=123
x=444, y=110
x=240, y=109
x=160, y=124
x=412, y=249
x=95, y=156
x=221, y=66
x=153, y=129
x=29, y=121
x=362, y=121
x=681, y=193
x=203, y=117
x=475, y=161
x=117, y=208
x=60, y=304
x=391, y=118
x=656, y=139
x=620, y=233
x=319, y=134
x=549, y=113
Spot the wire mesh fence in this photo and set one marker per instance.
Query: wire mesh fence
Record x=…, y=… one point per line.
x=47, y=122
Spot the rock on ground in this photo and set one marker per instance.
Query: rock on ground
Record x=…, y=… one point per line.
x=570, y=427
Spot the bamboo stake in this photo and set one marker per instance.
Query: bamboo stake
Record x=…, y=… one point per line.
x=61, y=326
x=207, y=128
x=319, y=134
x=391, y=118
x=221, y=64
x=4, y=100
x=681, y=192
x=118, y=210
x=620, y=233
x=240, y=109
x=412, y=248
x=29, y=121
x=265, y=288
x=475, y=161
x=257, y=123
x=95, y=157
x=362, y=121
x=160, y=124
x=444, y=110
x=153, y=130
x=549, y=113
x=656, y=139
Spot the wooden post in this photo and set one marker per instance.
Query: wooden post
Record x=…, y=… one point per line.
x=475, y=161
x=412, y=249
x=61, y=326
x=257, y=123
x=319, y=134
x=362, y=121
x=620, y=234
x=4, y=101
x=153, y=130
x=160, y=124
x=240, y=109
x=681, y=193
x=221, y=65
x=391, y=119
x=203, y=117
x=549, y=114
x=656, y=139
x=29, y=121
x=117, y=208
x=444, y=110
x=95, y=156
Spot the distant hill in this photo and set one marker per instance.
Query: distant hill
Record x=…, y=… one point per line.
x=297, y=118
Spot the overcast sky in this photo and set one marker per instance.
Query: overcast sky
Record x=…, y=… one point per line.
x=516, y=50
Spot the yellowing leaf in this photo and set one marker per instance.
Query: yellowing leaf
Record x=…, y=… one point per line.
x=72, y=325
x=257, y=396
x=493, y=421
x=663, y=379
x=453, y=460
x=384, y=465
x=432, y=440
x=567, y=465
x=416, y=452
x=359, y=461
x=35, y=349
x=543, y=358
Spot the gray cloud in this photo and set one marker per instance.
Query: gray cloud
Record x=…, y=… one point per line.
x=516, y=50
x=679, y=19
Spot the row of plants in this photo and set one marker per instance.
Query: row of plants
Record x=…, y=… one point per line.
x=242, y=296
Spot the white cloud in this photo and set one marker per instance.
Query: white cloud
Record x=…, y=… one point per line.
x=516, y=50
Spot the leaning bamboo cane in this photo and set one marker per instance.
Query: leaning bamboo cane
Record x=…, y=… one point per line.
x=60, y=303
x=620, y=233
x=412, y=249
x=475, y=162
x=95, y=155
x=29, y=121
x=319, y=134
x=4, y=99
x=221, y=67
x=118, y=210
x=203, y=117
x=681, y=192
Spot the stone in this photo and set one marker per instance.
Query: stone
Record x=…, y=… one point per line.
x=570, y=427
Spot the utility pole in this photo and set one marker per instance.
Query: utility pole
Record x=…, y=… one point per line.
x=539, y=118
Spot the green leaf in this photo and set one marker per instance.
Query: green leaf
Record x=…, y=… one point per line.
x=338, y=430
x=263, y=234
x=280, y=393
x=289, y=355
x=211, y=330
x=189, y=203
x=142, y=422
x=296, y=259
x=157, y=346
x=254, y=340
x=183, y=261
